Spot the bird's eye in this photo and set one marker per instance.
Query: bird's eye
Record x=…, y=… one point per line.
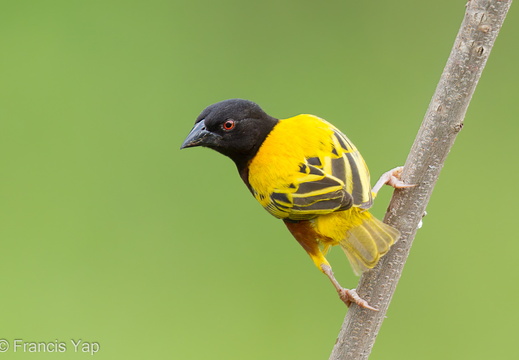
x=228, y=125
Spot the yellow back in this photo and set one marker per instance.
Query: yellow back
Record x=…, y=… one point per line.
x=306, y=167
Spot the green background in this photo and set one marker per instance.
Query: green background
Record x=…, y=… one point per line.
x=110, y=234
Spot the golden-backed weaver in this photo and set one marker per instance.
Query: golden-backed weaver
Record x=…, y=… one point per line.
x=306, y=172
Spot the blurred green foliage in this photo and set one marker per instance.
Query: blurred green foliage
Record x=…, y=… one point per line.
x=110, y=234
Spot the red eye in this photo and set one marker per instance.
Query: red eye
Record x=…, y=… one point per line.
x=228, y=125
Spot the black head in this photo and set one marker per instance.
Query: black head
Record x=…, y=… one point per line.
x=235, y=128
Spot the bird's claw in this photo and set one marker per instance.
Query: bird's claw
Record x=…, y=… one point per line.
x=349, y=296
x=391, y=178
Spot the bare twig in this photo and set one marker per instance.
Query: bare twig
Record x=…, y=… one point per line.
x=442, y=122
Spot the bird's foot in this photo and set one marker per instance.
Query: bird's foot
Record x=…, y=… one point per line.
x=347, y=296
x=351, y=296
x=391, y=178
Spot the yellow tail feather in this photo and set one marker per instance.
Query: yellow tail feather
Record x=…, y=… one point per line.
x=366, y=243
x=364, y=238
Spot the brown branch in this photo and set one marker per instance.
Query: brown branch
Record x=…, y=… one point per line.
x=442, y=122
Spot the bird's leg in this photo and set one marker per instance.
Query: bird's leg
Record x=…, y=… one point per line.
x=306, y=236
x=391, y=178
x=347, y=295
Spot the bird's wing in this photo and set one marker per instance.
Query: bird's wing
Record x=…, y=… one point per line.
x=332, y=181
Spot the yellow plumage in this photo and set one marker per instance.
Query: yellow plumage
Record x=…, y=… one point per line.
x=306, y=169
x=362, y=236
x=276, y=165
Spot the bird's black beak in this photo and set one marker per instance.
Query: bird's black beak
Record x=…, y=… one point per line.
x=199, y=136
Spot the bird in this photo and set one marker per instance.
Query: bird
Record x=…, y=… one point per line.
x=307, y=173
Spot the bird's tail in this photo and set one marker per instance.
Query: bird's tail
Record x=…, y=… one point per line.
x=363, y=237
x=367, y=242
